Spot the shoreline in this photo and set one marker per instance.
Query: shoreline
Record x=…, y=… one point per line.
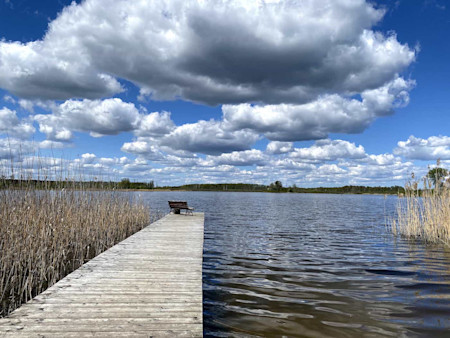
x=265, y=192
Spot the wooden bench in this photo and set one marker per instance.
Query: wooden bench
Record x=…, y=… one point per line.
x=176, y=206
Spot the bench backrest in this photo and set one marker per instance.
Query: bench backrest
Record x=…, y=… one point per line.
x=178, y=204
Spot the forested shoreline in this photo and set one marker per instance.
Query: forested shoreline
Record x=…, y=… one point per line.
x=126, y=184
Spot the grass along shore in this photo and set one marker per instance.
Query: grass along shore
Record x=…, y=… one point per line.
x=47, y=233
x=424, y=214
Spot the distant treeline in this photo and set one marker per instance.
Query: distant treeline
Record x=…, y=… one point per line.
x=242, y=187
x=60, y=184
x=277, y=187
x=353, y=189
x=221, y=187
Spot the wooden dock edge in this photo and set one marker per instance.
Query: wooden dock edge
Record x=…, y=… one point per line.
x=149, y=285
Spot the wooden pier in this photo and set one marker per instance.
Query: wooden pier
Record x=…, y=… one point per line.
x=149, y=285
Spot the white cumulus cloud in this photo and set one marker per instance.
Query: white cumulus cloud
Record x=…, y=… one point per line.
x=207, y=51
x=155, y=124
x=240, y=158
x=316, y=119
x=11, y=125
x=145, y=149
x=208, y=137
x=98, y=117
x=432, y=148
x=329, y=150
x=276, y=147
x=11, y=148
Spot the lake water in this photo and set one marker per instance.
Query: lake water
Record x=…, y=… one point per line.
x=314, y=265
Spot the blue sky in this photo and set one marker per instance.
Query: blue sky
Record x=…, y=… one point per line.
x=312, y=93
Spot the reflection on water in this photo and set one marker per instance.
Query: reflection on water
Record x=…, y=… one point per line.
x=312, y=265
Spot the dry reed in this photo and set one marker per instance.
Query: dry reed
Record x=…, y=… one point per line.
x=424, y=214
x=47, y=233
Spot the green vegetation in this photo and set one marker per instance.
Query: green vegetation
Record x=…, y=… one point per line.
x=220, y=187
x=50, y=228
x=278, y=187
x=8, y=183
x=126, y=184
x=437, y=176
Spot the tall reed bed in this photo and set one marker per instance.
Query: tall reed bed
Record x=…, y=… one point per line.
x=45, y=233
x=424, y=213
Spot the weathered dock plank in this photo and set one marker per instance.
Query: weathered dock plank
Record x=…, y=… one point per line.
x=149, y=285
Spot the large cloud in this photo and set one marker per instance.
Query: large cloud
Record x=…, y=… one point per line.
x=207, y=51
x=432, y=148
x=52, y=69
x=316, y=119
x=155, y=124
x=328, y=150
x=98, y=117
x=208, y=137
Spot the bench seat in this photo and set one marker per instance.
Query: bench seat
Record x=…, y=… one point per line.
x=176, y=206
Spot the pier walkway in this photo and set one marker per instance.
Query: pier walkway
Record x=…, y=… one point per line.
x=149, y=285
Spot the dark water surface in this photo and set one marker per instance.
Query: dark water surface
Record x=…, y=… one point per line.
x=314, y=265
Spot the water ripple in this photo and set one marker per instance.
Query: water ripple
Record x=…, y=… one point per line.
x=310, y=265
